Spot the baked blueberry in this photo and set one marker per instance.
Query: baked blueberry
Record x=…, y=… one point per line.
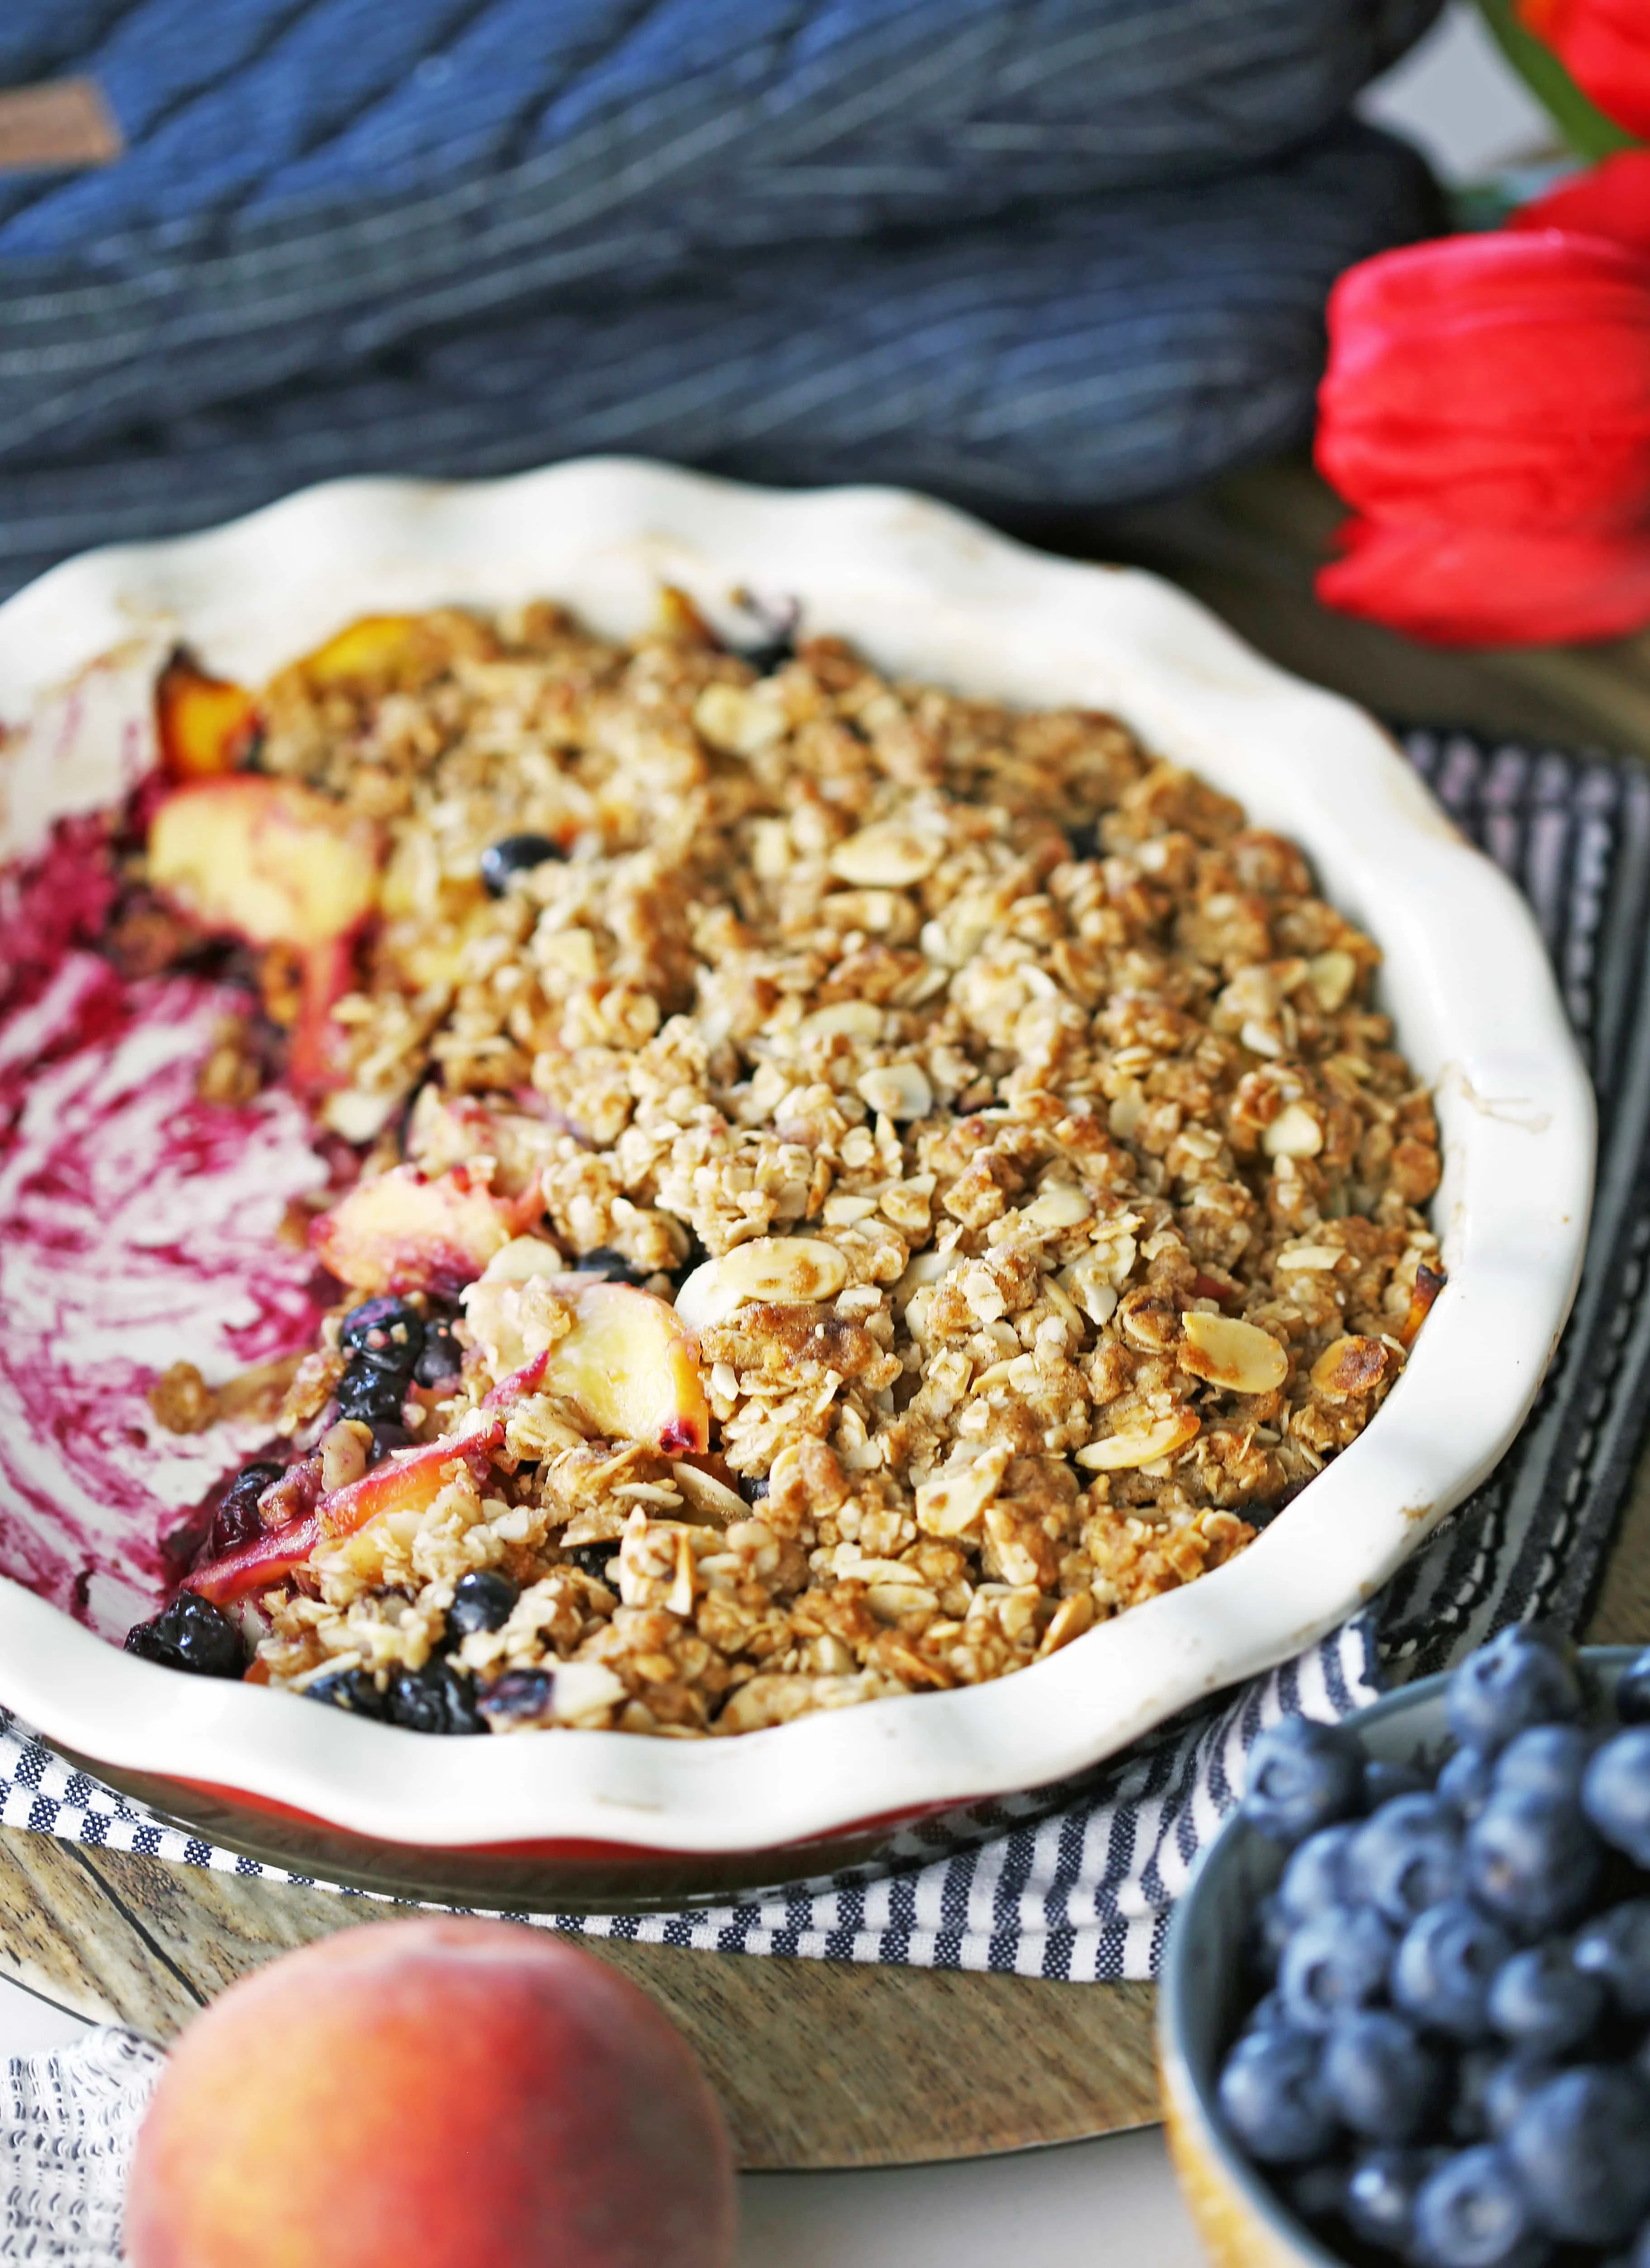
x=1272, y=2098
x=1378, y=2198
x=1614, y=1947
x=1577, y=2148
x=386, y=1333
x=1302, y=1775
x=237, y=1520
x=441, y=1356
x=520, y=1696
x=1541, y=2002
x=611, y=1266
x=1470, y=2213
x=1523, y=1676
x=1445, y=1967
x=386, y=1439
x=596, y=1559
x=1615, y=1793
x=374, y=1396
x=513, y=855
x=350, y=1690
x=1406, y=1858
x=1315, y=1876
x=1333, y=1964
x=433, y=1699
x=1532, y=1860
x=191, y=1634
x=1381, y=2080
x=482, y=1601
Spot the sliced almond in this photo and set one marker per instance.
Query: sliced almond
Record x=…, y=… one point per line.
x=909, y=1204
x=1140, y=1445
x=1331, y=975
x=1062, y=1206
x=1351, y=1365
x=1293, y=1133
x=784, y=1268
x=897, y=1090
x=1304, y=1256
x=841, y=1211
x=707, y=1494
x=848, y=1019
x=1072, y=1617
x=523, y=1258
x=954, y=1502
x=885, y=857
x=1429, y=1282
x=891, y=1602
x=1240, y=1356
x=737, y=720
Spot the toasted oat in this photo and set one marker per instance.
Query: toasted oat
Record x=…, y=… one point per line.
x=1046, y=1204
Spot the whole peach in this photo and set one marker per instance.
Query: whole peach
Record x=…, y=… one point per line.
x=432, y=2093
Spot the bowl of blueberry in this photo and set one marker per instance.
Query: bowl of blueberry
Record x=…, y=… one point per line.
x=1405, y=2011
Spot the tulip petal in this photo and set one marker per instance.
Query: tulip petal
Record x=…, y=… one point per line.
x=1500, y=381
x=1611, y=200
x=1605, y=47
x=1479, y=587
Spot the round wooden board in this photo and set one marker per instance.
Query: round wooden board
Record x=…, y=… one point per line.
x=818, y=2064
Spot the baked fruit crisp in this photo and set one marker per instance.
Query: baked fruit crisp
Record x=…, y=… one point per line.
x=836, y=1188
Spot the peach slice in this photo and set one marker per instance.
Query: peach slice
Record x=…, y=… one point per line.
x=409, y=1231
x=264, y=859
x=206, y=726
x=1429, y=1282
x=257, y=1565
x=379, y=654
x=632, y=1369
x=410, y=1482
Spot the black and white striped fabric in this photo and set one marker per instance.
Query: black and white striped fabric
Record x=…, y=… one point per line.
x=1083, y=1892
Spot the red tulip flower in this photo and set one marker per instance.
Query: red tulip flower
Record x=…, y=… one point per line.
x=1486, y=410
x=1612, y=200
x=1605, y=47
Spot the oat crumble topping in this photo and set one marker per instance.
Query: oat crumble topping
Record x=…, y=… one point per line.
x=1039, y=1197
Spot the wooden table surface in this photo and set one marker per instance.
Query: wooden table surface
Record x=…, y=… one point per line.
x=826, y=2063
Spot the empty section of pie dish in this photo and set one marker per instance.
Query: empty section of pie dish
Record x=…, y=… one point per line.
x=926, y=594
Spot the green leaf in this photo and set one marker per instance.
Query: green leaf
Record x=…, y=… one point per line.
x=1584, y=126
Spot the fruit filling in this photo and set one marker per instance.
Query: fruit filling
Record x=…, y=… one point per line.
x=827, y=1188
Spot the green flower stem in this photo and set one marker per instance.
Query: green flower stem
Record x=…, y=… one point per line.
x=1584, y=126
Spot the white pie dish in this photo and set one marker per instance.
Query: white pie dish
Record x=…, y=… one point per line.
x=930, y=594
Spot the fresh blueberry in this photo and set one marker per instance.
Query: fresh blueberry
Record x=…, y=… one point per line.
x=1546, y=1760
x=1532, y=1860
x=1466, y=1781
x=1272, y=2098
x=1542, y=2003
x=1509, y=2086
x=611, y=1266
x=442, y=1354
x=1470, y=2213
x=513, y=855
x=752, y=1487
x=1579, y=2150
x=386, y=1333
x=1384, y=1782
x=433, y=1699
x=1333, y=1964
x=1523, y=1676
x=1467, y=2119
x=1317, y=2193
x=374, y=1396
x=1633, y=1691
x=1615, y=1794
x=385, y=1440
x=237, y=1519
x=1379, y=2202
x=1381, y=2079
x=1615, y=1947
x=1302, y=1775
x=520, y=1696
x=1406, y=1858
x=1264, y=2014
x=595, y=1560
x=191, y=1634
x=1445, y=1968
x=1315, y=1876
x=1271, y=1932
x=482, y=1601
x=350, y=1690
